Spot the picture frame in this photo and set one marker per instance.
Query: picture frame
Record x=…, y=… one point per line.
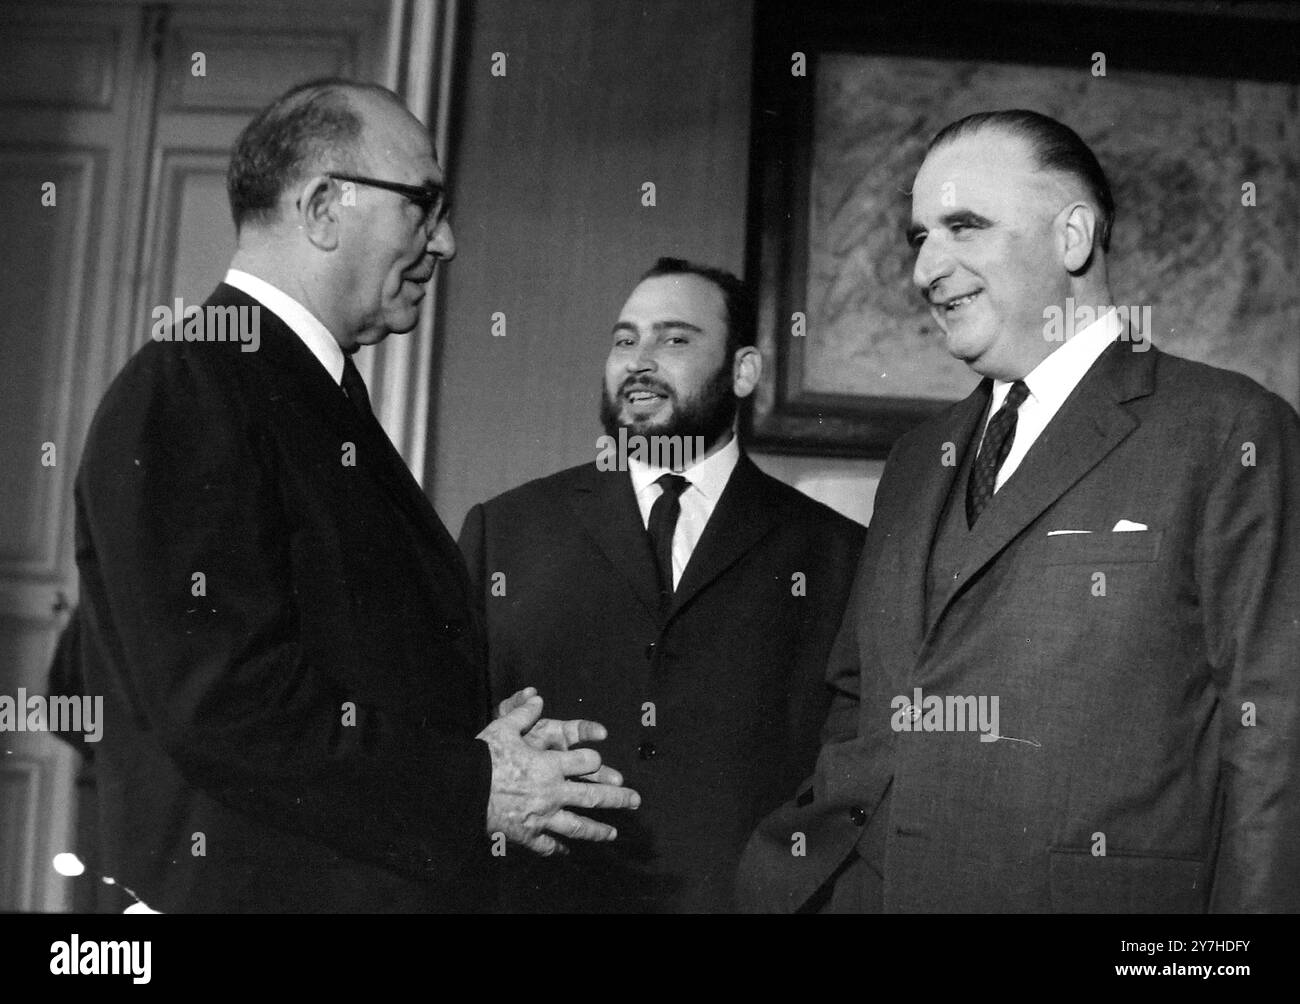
x=827, y=212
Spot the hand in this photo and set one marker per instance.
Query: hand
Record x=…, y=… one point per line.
x=552, y=734
x=531, y=786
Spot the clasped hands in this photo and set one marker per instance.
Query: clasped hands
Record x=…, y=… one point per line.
x=537, y=777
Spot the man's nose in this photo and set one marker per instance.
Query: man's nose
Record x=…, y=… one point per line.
x=643, y=358
x=442, y=242
x=933, y=262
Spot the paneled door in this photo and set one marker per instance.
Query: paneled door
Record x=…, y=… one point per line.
x=120, y=118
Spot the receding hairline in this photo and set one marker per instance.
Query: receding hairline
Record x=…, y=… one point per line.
x=361, y=97
x=1066, y=182
x=371, y=101
x=347, y=89
x=1055, y=150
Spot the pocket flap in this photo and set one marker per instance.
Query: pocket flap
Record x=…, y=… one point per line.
x=1102, y=548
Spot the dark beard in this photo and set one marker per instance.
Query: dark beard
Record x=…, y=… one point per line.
x=708, y=414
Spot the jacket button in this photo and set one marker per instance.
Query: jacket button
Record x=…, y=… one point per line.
x=646, y=751
x=650, y=651
x=858, y=815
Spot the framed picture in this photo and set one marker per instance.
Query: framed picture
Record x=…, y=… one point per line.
x=1194, y=116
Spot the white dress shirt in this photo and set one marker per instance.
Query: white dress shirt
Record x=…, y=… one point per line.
x=1050, y=383
x=301, y=321
x=707, y=480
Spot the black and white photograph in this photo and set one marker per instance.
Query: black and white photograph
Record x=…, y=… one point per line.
x=553, y=459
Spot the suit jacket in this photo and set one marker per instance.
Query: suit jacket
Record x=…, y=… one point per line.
x=1148, y=681
x=713, y=709
x=293, y=676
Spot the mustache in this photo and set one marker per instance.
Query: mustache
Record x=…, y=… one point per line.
x=642, y=383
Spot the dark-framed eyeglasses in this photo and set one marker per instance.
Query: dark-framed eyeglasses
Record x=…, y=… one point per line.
x=430, y=199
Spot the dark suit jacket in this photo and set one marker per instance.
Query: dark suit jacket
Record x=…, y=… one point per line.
x=1133, y=697
x=232, y=776
x=734, y=674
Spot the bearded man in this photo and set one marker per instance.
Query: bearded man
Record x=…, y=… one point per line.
x=674, y=592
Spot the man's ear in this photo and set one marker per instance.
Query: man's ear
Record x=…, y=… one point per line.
x=746, y=369
x=317, y=211
x=1076, y=223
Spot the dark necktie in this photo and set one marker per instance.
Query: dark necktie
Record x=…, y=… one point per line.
x=998, y=437
x=355, y=388
x=663, y=522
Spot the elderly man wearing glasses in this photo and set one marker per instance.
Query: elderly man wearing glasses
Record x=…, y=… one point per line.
x=295, y=695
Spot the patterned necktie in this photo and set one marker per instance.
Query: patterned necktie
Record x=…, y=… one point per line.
x=663, y=522
x=355, y=388
x=998, y=437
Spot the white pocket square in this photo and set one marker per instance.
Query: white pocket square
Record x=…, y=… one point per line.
x=1057, y=533
x=1127, y=525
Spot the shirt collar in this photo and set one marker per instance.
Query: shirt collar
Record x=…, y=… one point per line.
x=709, y=477
x=1052, y=380
x=301, y=321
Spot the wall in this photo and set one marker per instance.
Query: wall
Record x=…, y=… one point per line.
x=599, y=96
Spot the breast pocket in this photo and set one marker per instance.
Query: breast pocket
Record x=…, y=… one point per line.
x=1124, y=547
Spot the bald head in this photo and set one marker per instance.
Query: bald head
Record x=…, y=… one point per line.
x=341, y=204
x=314, y=128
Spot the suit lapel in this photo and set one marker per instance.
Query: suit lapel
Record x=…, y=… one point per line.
x=309, y=389
x=925, y=497
x=391, y=472
x=744, y=515
x=306, y=385
x=1091, y=423
x=605, y=505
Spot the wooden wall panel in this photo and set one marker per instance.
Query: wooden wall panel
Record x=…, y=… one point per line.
x=63, y=63
x=67, y=83
x=45, y=320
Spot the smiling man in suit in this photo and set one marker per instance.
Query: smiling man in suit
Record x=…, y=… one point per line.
x=1069, y=675
x=685, y=599
x=296, y=708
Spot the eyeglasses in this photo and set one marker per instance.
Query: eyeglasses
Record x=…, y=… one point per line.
x=429, y=198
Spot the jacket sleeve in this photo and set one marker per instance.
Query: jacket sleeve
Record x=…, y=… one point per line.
x=798, y=847
x=472, y=545
x=1248, y=562
x=175, y=484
